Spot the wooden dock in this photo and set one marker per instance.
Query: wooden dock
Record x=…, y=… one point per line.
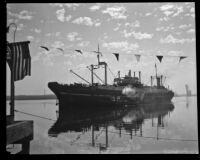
x=19, y=132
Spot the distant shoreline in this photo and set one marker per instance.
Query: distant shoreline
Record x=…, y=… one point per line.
x=32, y=97
x=51, y=96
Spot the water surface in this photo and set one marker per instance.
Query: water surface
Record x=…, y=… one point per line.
x=171, y=128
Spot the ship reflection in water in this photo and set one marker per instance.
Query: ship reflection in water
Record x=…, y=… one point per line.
x=127, y=118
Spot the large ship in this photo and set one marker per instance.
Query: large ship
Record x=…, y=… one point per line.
x=124, y=90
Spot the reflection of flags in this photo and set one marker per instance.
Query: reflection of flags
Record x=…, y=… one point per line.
x=20, y=59
x=159, y=58
x=137, y=57
x=181, y=57
x=116, y=55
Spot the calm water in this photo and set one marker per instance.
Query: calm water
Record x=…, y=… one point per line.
x=145, y=129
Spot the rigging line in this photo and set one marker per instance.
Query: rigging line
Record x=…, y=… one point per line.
x=156, y=137
x=35, y=115
x=111, y=72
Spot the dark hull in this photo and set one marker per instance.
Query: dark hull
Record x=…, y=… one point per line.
x=94, y=97
x=94, y=100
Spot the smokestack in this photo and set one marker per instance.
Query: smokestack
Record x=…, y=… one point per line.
x=118, y=74
x=129, y=73
x=134, y=74
x=139, y=76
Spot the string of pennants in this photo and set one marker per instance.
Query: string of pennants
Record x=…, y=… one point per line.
x=159, y=57
x=62, y=50
x=137, y=56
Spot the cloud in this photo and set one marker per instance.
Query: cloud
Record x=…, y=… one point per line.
x=122, y=45
x=116, y=12
x=26, y=15
x=36, y=30
x=167, y=28
x=56, y=4
x=20, y=27
x=58, y=44
x=191, y=30
x=138, y=35
x=172, y=10
x=61, y=15
x=83, y=44
x=116, y=28
x=184, y=26
x=178, y=11
x=86, y=21
x=167, y=13
x=56, y=34
x=133, y=24
x=95, y=7
x=192, y=10
x=166, y=7
x=72, y=5
x=30, y=38
x=68, y=5
x=171, y=39
x=67, y=18
x=97, y=24
x=73, y=36
x=148, y=14
x=189, y=14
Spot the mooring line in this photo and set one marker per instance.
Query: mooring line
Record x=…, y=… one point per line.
x=34, y=115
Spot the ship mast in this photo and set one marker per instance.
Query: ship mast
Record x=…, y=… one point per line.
x=99, y=64
x=156, y=70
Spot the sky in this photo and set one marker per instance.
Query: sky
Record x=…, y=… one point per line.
x=148, y=29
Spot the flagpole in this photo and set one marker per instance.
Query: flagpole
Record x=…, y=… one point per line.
x=156, y=69
x=12, y=84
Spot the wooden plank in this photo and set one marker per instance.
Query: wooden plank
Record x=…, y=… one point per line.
x=18, y=130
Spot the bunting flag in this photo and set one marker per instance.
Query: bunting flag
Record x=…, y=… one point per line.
x=20, y=59
x=77, y=50
x=117, y=56
x=181, y=57
x=60, y=49
x=137, y=57
x=45, y=48
x=160, y=58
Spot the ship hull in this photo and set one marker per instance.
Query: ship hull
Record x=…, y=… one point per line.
x=94, y=97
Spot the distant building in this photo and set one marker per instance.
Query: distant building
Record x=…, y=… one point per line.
x=188, y=91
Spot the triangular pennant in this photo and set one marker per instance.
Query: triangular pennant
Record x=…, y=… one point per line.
x=77, y=50
x=137, y=57
x=181, y=57
x=116, y=55
x=160, y=58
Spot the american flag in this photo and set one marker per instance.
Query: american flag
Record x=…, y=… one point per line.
x=18, y=57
